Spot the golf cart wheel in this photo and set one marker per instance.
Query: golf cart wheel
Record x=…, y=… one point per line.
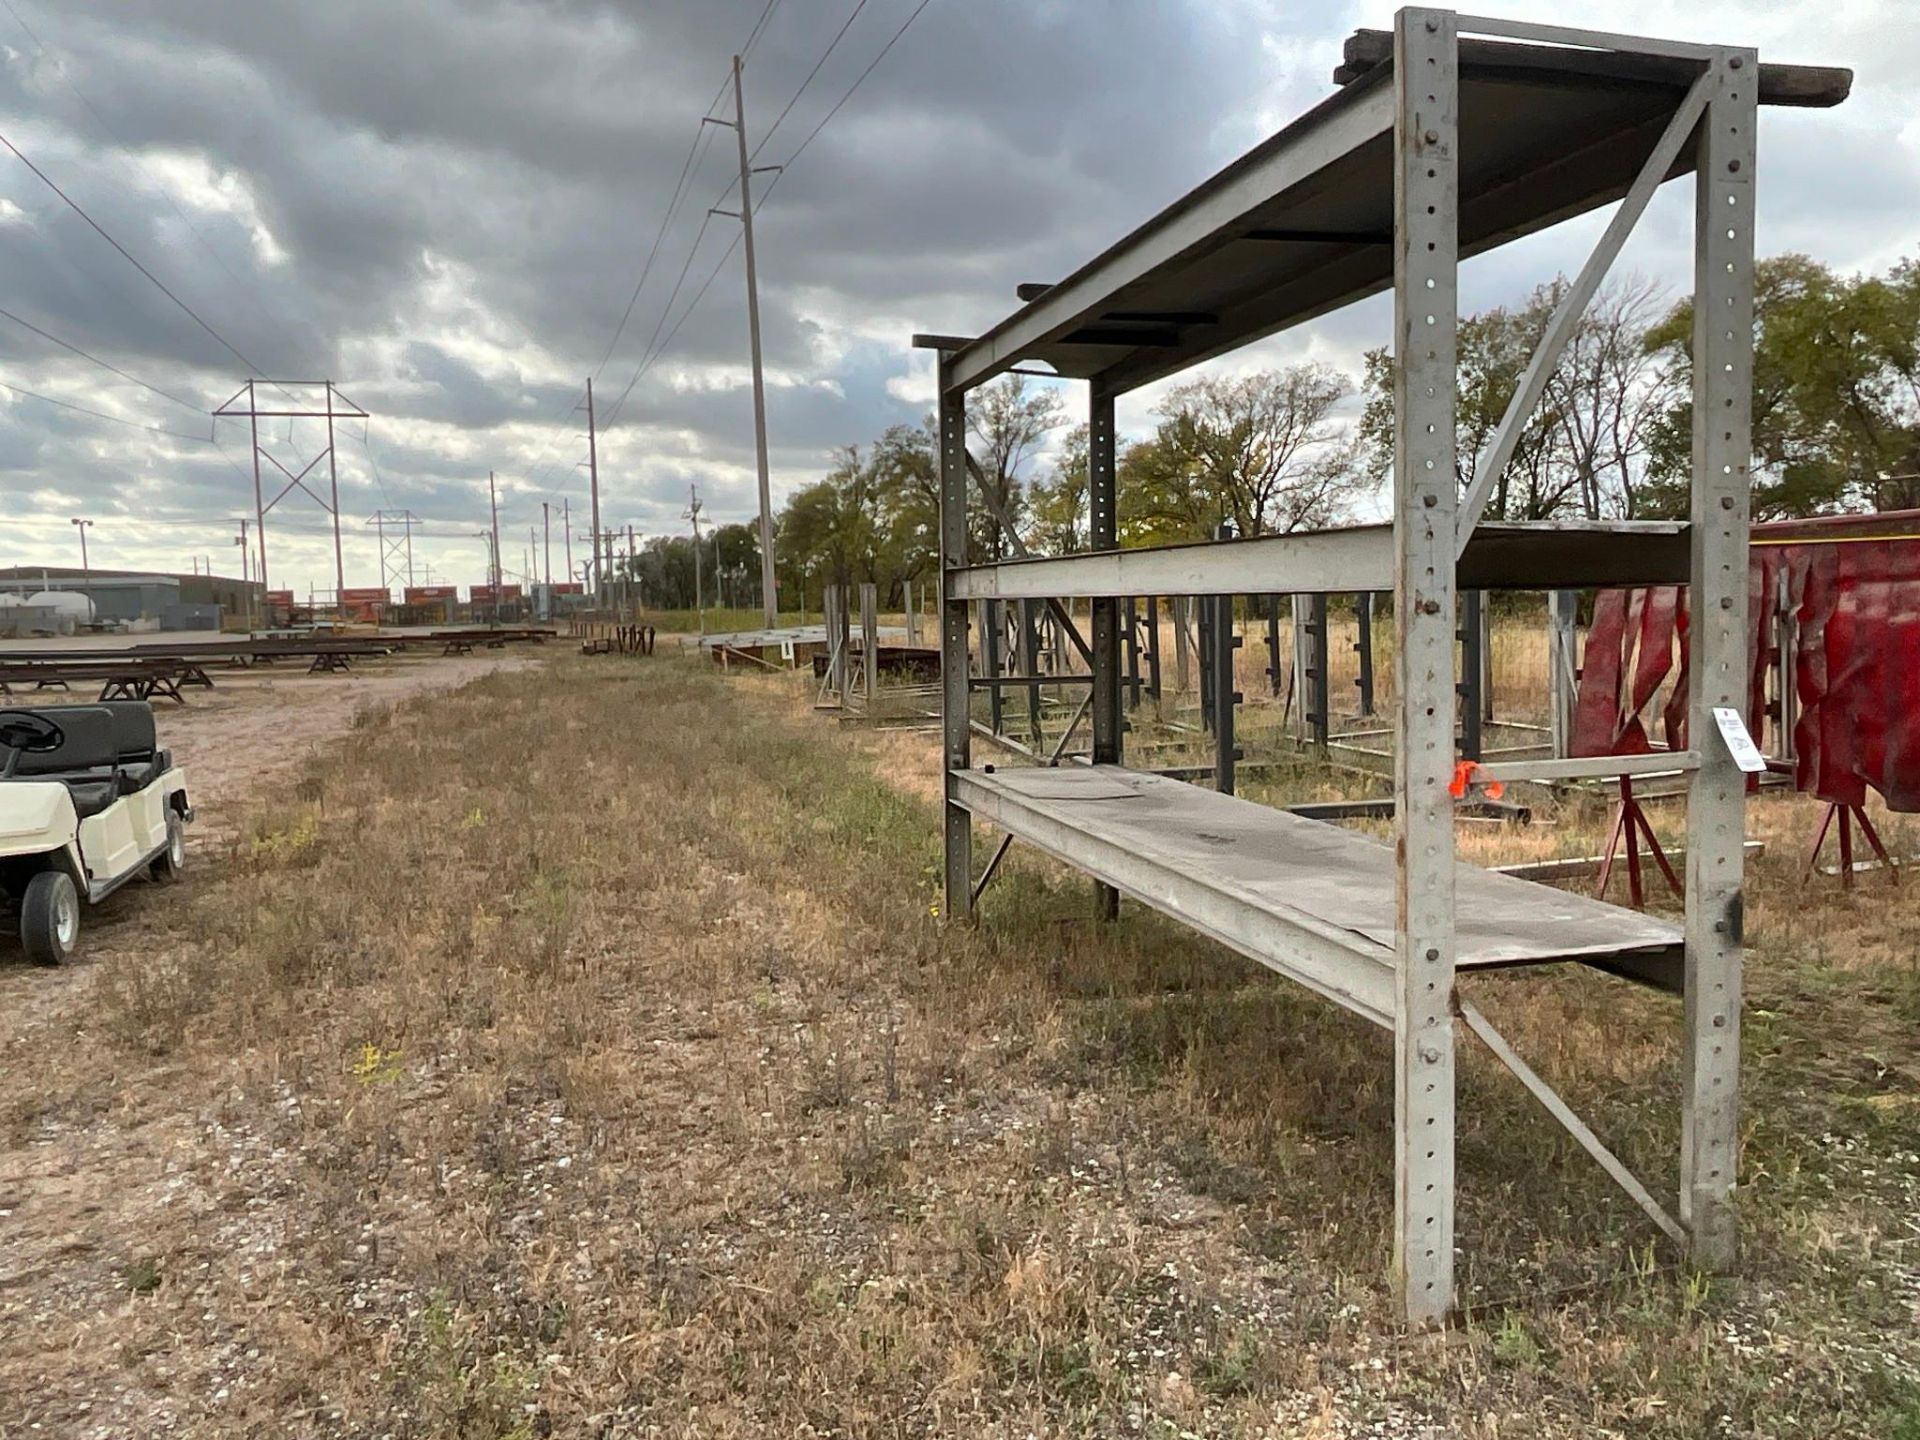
x=168, y=864
x=50, y=917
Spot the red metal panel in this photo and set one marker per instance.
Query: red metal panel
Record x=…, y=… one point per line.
x=1854, y=586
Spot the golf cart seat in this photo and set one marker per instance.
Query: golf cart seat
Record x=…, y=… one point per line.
x=85, y=760
x=139, y=759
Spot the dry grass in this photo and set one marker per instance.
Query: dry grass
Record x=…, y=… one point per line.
x=583, y=1057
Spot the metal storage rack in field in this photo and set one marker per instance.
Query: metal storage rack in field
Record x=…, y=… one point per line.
x=1434, y=148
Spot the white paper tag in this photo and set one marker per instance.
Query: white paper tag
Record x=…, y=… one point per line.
x=1740, y=744
x=786, y=650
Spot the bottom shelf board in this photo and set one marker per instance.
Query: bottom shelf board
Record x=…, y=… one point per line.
x=1290, y=891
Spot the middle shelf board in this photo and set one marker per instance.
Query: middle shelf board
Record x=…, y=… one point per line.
x=1533, y=556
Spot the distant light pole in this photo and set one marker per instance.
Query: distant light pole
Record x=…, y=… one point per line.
x=86, y=572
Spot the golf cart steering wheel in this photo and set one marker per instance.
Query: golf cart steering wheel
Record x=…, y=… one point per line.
x=25, y=734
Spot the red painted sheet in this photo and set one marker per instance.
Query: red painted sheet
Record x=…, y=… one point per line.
x=1853, y=585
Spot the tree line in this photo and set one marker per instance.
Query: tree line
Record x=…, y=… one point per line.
x=1836, y=426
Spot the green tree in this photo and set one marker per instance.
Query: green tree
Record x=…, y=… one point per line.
x=1836, y=391
x=1007, y=425
x=907, y=489
x=1164, y=499
x=1586, y=446
x=1057, y=504
x=1266, y=448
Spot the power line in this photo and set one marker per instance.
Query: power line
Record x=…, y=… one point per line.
x=103, y=364
x=860, y=80
x=652, y=355
x=759, y=28
x=128, y=255
x=696, y=153
x=701, y=139
x=103, y=415
x=113, y=134
x=825, y=55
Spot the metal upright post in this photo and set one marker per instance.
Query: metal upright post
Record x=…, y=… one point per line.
x=1716, y=796
x=1130, y=637
x=1786, y=633
x=1302, y=662
x=1204, y=620
x=1027, y=616
x=1319, y=658
x=566, y=534
x=869, y=640
x=546, y=541
x=1153, y=648
x=954, y=692
x=1180, y=605
x=1425, y=502
x=1363, y=647
x=1563, y=679
x=1104, y=534
x=1273, y=644
x=991, y=634
x=1225, y=748
x=1222, y=643
x=1472, y=675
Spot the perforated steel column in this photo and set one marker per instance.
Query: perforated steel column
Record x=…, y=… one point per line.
x=1426, y=194
x=953, y=643
x=1716, y=798
x=1104, y=534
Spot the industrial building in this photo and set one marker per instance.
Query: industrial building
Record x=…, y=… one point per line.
x=129, y=597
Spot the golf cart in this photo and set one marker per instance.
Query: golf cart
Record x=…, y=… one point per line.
x=88, y=800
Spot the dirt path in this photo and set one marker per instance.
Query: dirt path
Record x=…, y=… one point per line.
x=78, y=1189
x=235, y=742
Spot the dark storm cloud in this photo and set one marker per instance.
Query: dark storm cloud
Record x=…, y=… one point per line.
x=444, y=204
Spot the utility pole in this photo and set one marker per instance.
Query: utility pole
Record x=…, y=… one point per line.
x=693, y=514
x=493, y=503
x=769, y=601
x=86, y=571
x=593, y=477
x=566, y=531
x=546, y=532
x=626, y=581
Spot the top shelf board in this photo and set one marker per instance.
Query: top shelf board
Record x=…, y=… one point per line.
x=1303, y=223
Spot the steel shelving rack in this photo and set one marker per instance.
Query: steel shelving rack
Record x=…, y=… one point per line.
x=1434, y=148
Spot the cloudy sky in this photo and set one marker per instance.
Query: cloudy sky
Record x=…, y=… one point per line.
x=445, y=206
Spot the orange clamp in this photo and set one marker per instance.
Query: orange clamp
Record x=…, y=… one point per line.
x=1463, y=781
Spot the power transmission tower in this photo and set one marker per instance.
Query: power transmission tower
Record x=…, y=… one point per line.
x=396, y=555
x=593, y=477
x=344, y=409
x=246, y=576
x=769, y=602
